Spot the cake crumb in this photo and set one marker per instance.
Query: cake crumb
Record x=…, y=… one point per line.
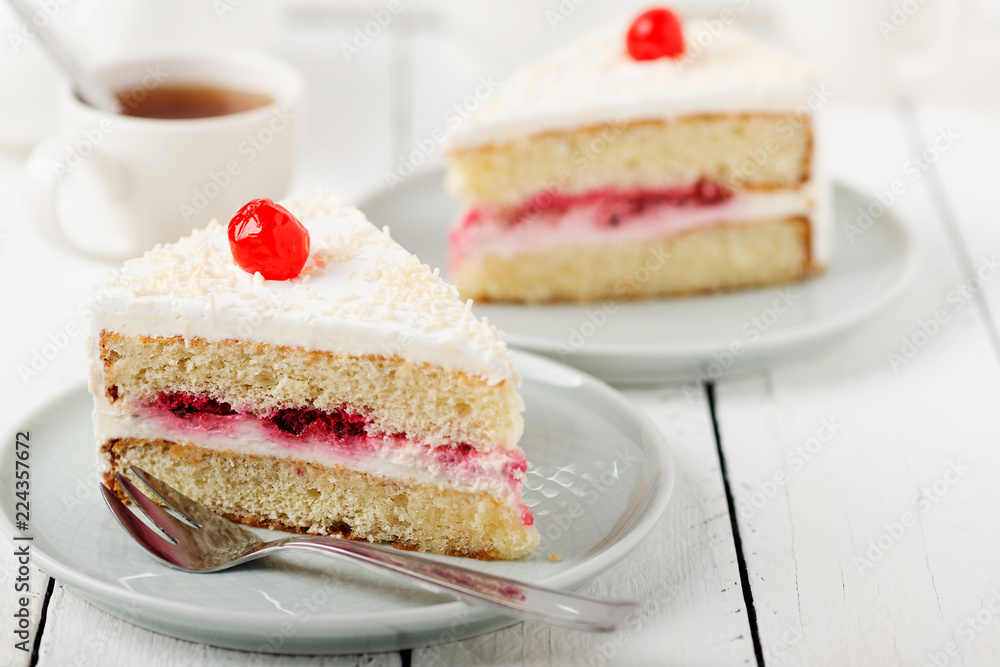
x=555, y=558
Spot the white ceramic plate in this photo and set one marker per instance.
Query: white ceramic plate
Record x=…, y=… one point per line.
x=669, y=339
x=601, y=477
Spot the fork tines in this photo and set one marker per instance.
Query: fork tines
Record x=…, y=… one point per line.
x=153, y=542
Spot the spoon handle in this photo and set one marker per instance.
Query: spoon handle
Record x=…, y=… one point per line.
x=515, y=598
x=92, y=91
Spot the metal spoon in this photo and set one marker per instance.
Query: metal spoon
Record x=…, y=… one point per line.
x=91, y=90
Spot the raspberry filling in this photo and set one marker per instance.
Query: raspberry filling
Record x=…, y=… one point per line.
x=613, y=206
x=297, y=423
x=347, y=433
x=527, y=518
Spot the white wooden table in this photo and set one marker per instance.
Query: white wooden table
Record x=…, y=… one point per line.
x=841, y=509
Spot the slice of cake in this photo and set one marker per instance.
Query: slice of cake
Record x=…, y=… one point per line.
x=628, y=165
x=356, y=396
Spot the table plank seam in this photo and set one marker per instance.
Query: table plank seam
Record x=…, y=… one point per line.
x=42, y=617
x=939, y=200
x=741, y=560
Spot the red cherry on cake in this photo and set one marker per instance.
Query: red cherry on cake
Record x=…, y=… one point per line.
x=265, y=237
x=655, y=33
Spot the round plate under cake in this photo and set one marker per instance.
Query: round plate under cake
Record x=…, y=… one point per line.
x=677, y=338
x=601, y=478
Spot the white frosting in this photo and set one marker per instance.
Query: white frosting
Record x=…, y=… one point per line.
x=580, y=224
x=360, y=293
x=408, y=462
x=594, y=81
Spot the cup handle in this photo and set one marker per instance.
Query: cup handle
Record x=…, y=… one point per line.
x=42, y=181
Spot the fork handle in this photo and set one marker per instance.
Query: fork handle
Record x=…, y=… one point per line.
x=515, y=598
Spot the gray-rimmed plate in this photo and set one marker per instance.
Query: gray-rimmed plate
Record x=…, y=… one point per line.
x=671, y=339
x=601, y=477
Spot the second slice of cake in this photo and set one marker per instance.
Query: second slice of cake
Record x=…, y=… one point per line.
x=593, y=174
x=360, y=397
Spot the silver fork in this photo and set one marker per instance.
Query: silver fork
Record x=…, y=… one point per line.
x=206, y=542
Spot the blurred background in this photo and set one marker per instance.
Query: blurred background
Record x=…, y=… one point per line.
x=429, y=54
x=382, y=77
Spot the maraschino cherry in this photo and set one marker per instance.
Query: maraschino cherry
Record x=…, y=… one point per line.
x=266, y=237
x=656, y=33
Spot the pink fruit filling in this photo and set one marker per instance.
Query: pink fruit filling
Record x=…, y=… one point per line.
x=343, y=432
x=285, y=424
x=611, y=206
x=527, y=518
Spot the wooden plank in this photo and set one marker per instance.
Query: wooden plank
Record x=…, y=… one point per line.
x=865, y=485
x=959, y=148
x=684, y=575
x=77, y=633
x=11, y=580
x=961, y=183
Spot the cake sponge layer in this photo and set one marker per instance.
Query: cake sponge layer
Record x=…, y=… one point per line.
x=270, y=492
x=764, y=151
x=425, y=403
x=703, y=260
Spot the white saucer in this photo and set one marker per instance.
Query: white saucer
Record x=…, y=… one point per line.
x=667, y=339
x=600, y=480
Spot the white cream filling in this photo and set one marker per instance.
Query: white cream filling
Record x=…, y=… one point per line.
x=578, y=226
x=409, y=462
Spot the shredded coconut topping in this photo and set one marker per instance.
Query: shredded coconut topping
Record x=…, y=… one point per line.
x=360, y=292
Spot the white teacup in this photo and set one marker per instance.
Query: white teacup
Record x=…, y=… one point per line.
x=110, y=186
